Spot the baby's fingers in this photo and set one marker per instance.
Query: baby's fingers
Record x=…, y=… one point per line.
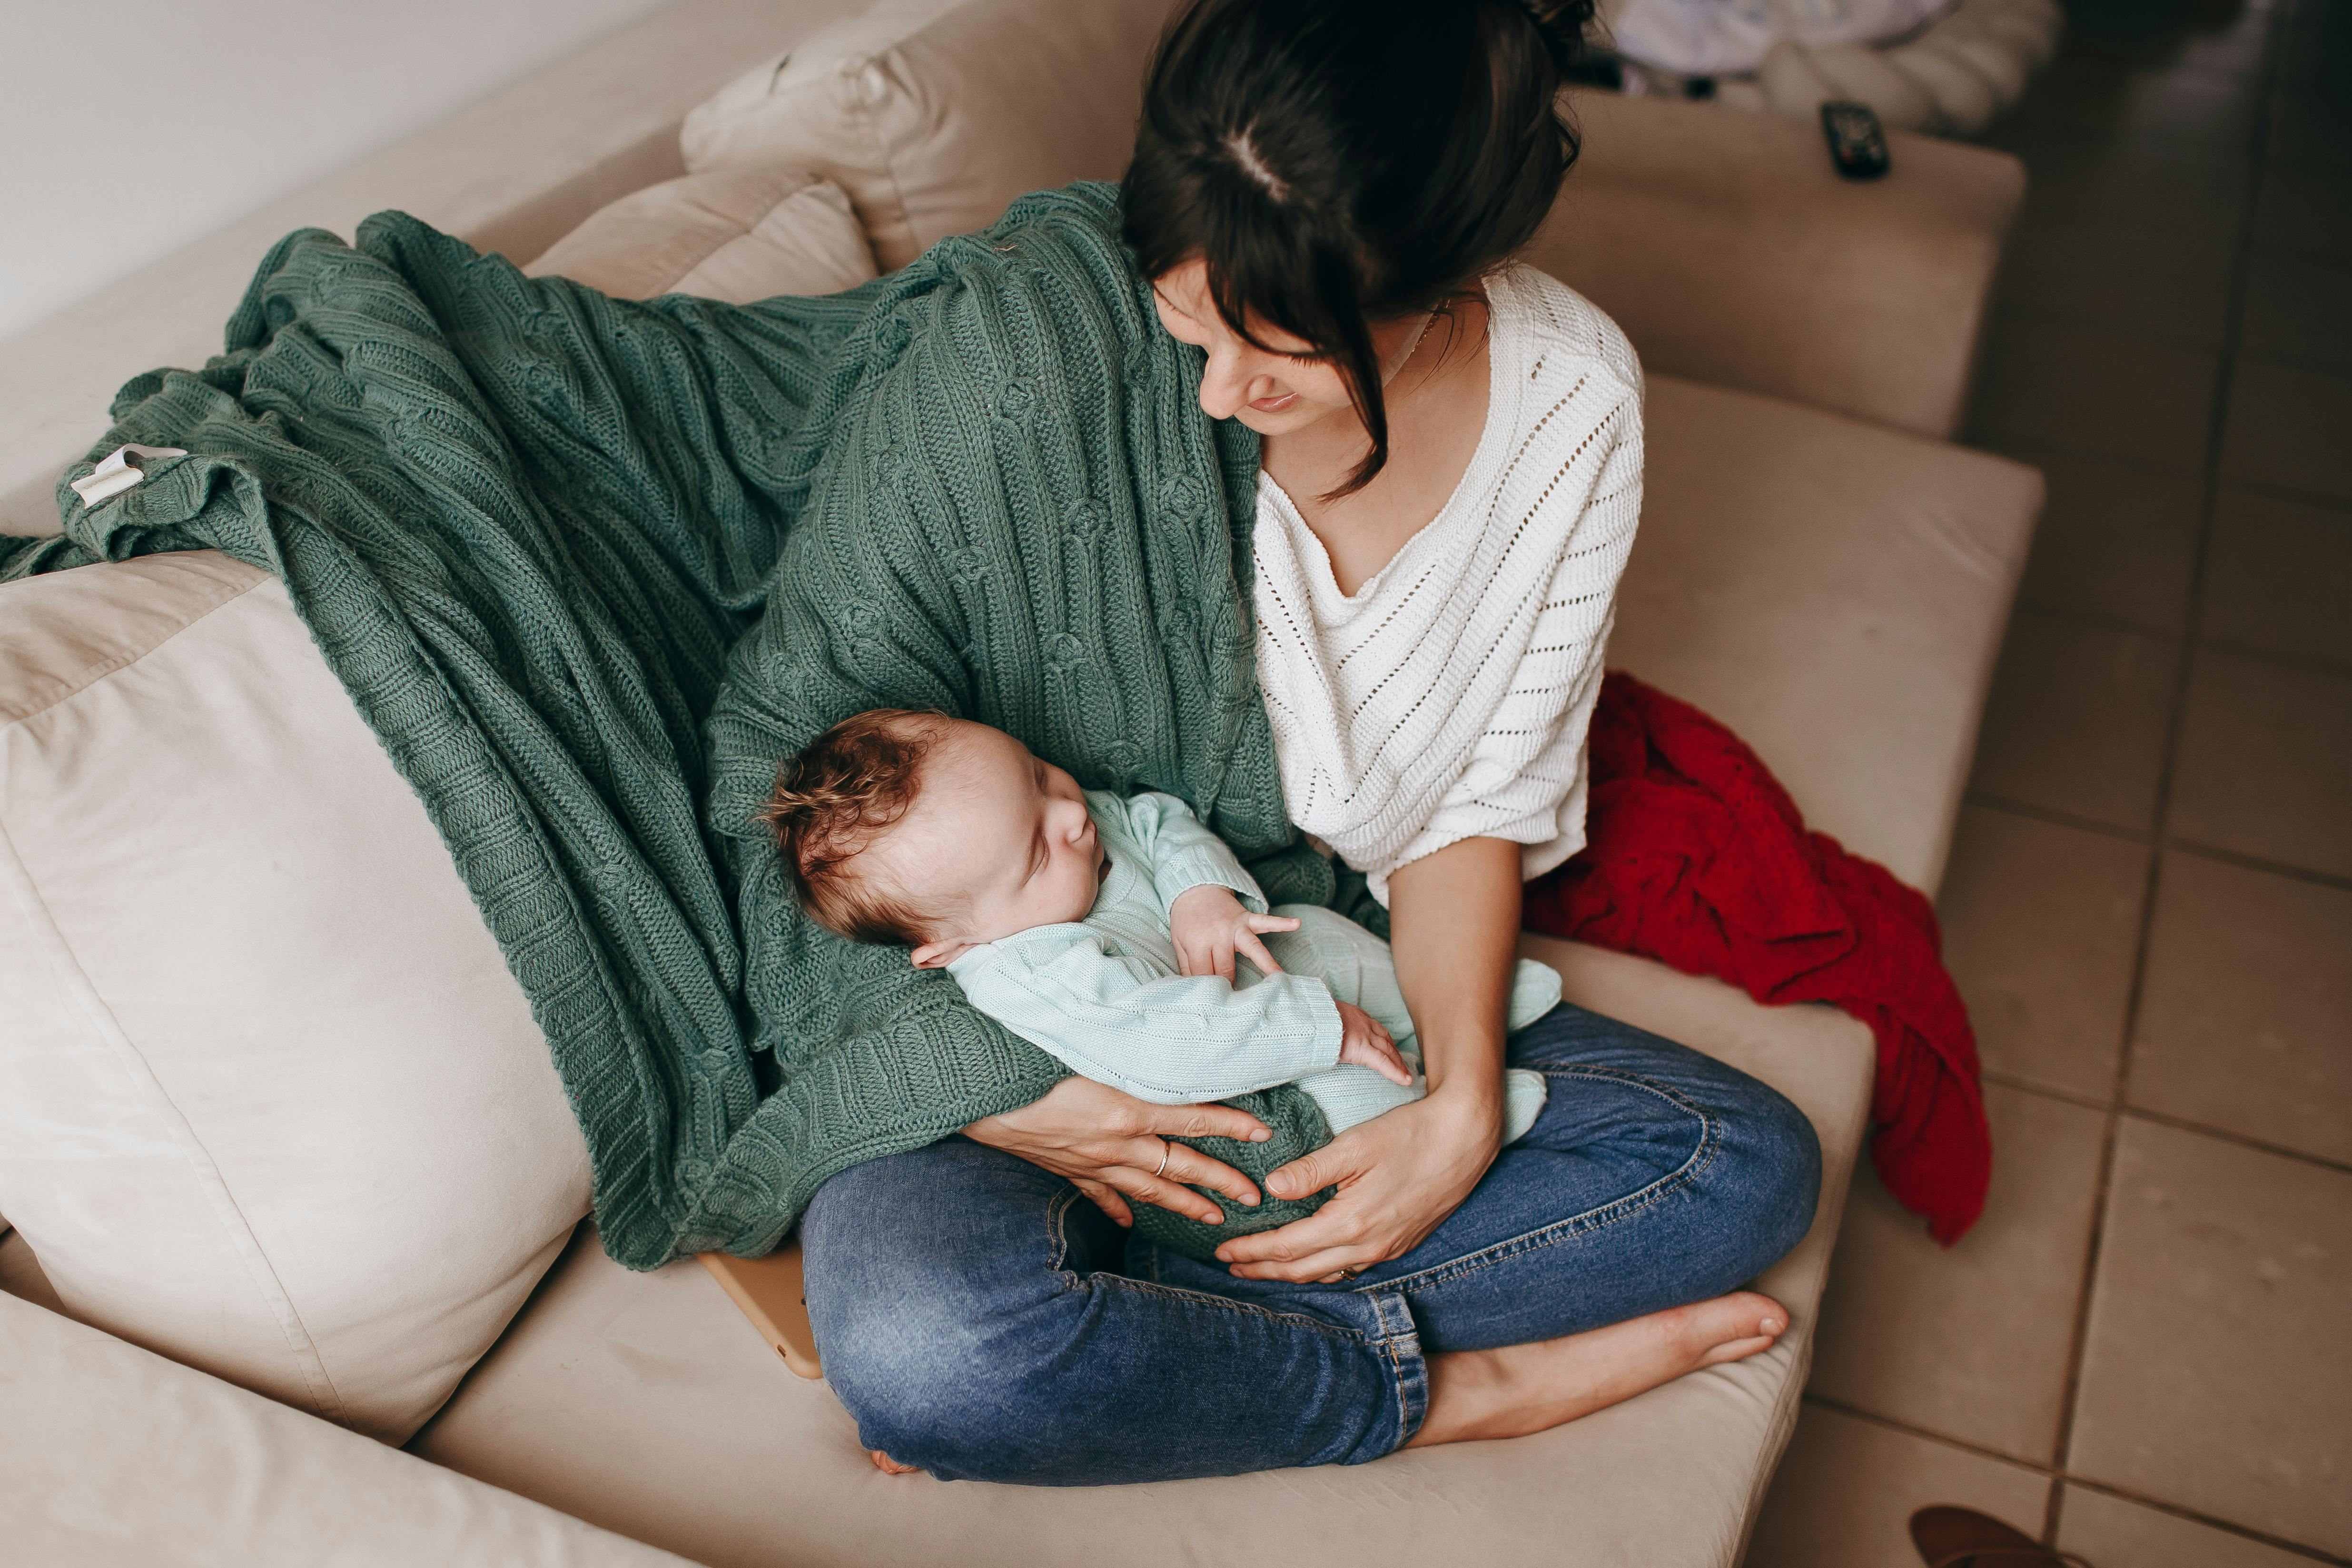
x=1377, y=1054
x=1254, y=951
x=1272, y=922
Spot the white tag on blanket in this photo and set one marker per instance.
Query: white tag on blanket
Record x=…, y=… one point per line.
x=115, y=473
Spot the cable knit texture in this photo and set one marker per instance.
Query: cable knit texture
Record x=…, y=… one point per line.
x=590, y=568
x=1448, y=697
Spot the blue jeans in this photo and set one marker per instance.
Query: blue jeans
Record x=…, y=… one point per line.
x=985, y=1321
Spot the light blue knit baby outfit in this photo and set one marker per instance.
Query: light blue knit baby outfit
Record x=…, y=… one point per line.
x=1105, y=996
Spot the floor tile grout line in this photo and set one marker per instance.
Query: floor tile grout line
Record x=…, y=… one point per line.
x=1989, y=800
x=2059, y=1478
x=1984, y=799
x=2164, y=1119
x=2100, y=620
x=2211, y=1521
x=2304, y=663
x=2022, y=448
x=2152, y=889
x=2256, y=862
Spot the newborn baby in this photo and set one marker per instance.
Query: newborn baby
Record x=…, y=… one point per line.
x=1107, y=931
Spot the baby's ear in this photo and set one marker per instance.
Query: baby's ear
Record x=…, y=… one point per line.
x=940, y=955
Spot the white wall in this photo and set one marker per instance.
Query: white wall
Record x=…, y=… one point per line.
x=129, y=128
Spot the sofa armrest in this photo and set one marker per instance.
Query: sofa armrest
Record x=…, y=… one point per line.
x=109, y=1454
x=1730, y=252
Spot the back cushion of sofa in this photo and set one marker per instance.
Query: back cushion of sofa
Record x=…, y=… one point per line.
x=737, y=235
x=933, y=115
x=270, y=1102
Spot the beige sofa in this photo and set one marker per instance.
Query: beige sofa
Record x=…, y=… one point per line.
x=204, y=855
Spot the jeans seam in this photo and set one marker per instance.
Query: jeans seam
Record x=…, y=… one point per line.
x=1407, y=1368
x=1206, y=1298
x=1057, y=1234
x=1610, y=1213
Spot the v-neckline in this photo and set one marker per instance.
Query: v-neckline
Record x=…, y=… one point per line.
x=1491, y=435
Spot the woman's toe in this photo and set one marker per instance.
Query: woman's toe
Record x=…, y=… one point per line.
x=1730, y=1327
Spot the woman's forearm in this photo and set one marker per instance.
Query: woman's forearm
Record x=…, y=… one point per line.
x=1453, y=918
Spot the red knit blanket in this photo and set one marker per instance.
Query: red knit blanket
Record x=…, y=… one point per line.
x=1697, y=858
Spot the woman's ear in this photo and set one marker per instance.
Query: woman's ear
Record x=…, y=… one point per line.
x=940, y=955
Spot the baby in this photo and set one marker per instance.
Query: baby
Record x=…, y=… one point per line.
x=1106, y=931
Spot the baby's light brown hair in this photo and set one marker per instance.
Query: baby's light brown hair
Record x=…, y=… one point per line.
x=853, y=784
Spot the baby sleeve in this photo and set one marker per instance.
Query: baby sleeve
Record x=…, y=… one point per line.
x=1184, y=855
x=1171, y=1039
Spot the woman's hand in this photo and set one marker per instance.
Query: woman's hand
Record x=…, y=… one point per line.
x=1454, y=919
x=1109, y=1143
x=1208, y=926
x=1398, y=1175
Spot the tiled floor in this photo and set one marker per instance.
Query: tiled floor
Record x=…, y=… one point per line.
x=2143, y=1351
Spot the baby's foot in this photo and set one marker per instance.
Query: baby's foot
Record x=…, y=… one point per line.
x=1522, y=1389
x=889, y=1466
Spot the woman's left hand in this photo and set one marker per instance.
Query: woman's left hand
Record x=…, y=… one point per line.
x=1398, y=1175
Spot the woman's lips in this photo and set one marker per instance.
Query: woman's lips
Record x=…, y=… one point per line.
x=1275, y=404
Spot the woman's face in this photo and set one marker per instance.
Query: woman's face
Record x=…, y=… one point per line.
x=1273, y=392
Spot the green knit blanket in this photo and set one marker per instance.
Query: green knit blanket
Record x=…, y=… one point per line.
x=590, y=568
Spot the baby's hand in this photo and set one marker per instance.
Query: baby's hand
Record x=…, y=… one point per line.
x=1210, y=925
x=1364, y=1041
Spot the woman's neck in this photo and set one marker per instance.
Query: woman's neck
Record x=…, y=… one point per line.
x=1437, y=411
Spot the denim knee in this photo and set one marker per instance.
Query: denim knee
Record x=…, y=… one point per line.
x=1779, y=1181
x=921, y=1386
x=937, y=1335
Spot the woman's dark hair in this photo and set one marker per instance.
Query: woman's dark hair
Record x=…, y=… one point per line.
x=1339, y=162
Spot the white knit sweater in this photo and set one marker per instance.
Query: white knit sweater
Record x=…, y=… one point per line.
x=1448, y=697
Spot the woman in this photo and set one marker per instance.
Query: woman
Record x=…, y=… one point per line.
x=1326, y=197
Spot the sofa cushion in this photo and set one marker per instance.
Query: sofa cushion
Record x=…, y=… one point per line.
x=737, y=235
x=647, y=1404
x=270, y=1102
x=110, y=1455
x=1729, y=251
x=934, y=114
x=1834, y=592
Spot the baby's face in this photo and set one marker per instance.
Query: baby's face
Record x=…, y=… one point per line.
x=996, y=837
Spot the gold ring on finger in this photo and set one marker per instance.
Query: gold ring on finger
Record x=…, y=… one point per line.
x=1167, y=1151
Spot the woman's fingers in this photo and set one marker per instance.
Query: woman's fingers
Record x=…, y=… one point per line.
x=1106, y=1198
x=1314, y=1267
x=1196, y=1169
x=1318, y=1233
x=1310, y=1172
x=1146, y=1188
x=1211, y=1121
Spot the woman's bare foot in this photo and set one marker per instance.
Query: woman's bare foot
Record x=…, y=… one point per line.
x=889, y=1466
x=1524, y=1388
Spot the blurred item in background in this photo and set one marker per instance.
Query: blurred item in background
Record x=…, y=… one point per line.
x=1944, y=68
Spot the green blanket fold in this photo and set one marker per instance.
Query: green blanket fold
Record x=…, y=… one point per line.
x=591, y=568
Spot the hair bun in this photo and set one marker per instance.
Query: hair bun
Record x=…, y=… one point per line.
x=1562, y=24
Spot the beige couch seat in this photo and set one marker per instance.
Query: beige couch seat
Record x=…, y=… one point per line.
x=648, y=1404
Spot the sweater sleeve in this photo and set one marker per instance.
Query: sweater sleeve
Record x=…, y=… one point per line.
x=1525, y=779
x=1171, y=1039
x=1185, y=855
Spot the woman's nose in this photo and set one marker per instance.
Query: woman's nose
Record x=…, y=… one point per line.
x=1226, y=386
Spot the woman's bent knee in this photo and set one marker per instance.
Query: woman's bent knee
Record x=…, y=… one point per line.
x=1776, y=1181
